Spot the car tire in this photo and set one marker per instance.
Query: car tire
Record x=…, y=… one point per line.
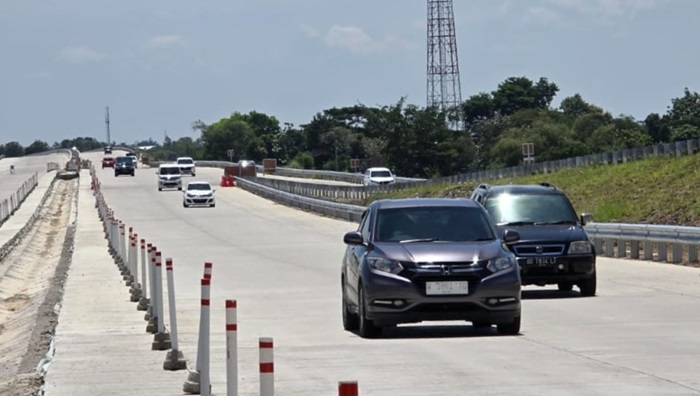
x=160, y=189
x=512, y=328
x=588, y=287
x=565, y=286
x=179, y=189
x=366, y=327
x=351, y=322
x=212, y=205
x=481, y=325
x=184, y=205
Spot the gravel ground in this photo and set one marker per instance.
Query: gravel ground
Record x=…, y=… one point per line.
x=31, y=287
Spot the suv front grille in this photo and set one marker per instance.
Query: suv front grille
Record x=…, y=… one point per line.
x=539, y=250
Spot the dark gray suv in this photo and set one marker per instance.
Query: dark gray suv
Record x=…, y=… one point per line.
x=429, y=259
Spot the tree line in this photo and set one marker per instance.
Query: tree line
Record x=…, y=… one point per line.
x=418, y=141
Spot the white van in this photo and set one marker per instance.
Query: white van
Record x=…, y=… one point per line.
x=169, y=176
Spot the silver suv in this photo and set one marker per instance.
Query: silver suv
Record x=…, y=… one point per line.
x=169, y=176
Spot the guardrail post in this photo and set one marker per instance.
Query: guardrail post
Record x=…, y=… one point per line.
x=621, y=248
x=692, y=253
x=634, y=250
x=662, y=251
x=609, y=247
x=648, y=250
x=677, y=249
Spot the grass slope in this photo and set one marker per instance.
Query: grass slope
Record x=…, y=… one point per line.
x=660, y=190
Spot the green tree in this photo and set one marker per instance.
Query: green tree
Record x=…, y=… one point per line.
x=13, y=149
x=518, y=93
x=38, y=146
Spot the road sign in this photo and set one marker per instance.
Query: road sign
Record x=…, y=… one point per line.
x=528, y=149
x=229, y=154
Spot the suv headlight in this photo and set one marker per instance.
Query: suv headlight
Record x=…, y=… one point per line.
x=580, y=247
x=385, y=265
x=501, y=264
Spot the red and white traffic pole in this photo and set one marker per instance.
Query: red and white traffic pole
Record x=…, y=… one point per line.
x=175, y=359
x=231, y=348
x=143, y=300
x=151, y=312
x=207, y=270
x=348, y=388
x=204, y=381
x=161, y=340
x=267, y=367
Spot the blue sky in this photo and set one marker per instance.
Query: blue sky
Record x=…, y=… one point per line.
x=161, y=64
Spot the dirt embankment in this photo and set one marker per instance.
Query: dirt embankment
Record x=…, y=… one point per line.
x=31, y=286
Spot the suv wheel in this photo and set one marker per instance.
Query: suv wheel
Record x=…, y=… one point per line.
x=512, y=328
x=350, y=321
x=367, y=328
x=589, y=286
x=565, y=286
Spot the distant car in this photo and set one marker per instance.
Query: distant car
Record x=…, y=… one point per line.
x=556, y=248
x=169, y=176
x=429, y=259
x=186, y=165
x=108, y=149
x=378, y=176
x=246, y=163
x=107, y=162
x=198, y=193
x=124, y=166
x=135, y=157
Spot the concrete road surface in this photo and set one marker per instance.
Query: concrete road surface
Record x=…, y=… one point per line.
x=639, y=336
x=25, y=167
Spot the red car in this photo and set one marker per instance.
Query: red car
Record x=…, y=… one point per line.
x=107, y=162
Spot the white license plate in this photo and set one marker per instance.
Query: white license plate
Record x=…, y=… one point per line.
x=541, y=261
x=446, y=288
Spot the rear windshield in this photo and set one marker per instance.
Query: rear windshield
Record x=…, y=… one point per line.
x=185, y=161
x=382, y=173
x=530, y=208
x=170, y=171
x=443, y=223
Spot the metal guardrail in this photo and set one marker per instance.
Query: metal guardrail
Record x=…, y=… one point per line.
x=636, y=241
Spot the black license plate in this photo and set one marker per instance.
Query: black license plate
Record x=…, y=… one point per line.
x=541, y=261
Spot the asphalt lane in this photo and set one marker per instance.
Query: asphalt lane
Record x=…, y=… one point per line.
x=637, y=337
x=25, y=167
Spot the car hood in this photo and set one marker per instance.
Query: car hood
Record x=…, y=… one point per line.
x=439, y=251
x=548, y=233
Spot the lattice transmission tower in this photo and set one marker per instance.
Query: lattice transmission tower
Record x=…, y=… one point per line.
x=109, y=133
x=444, y=86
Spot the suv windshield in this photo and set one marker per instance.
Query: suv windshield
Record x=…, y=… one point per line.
x=199, y=187
x=383, y=173
x=185, y=161
x=433, y=223
x=125, y=160
x=512, y=209
x=170, y=171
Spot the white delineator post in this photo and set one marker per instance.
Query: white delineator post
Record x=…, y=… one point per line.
x=231, y=348
x=143, y=300
x=175, y=360
x=128, y=273
x=348, y=388
x=152, y=311
x=207, y=270
x=267, y=367
x=198, y=381
x=161, y=340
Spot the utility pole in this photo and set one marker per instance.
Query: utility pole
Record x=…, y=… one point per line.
x=109, y=135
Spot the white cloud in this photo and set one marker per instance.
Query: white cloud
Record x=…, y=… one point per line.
x=604, y=7
x=81, y=54
x=354, y=39
x=164, y=41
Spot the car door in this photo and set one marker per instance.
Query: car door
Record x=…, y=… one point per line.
x=355, y=255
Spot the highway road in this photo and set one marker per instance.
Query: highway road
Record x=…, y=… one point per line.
x=25, y=167
x=637, y=337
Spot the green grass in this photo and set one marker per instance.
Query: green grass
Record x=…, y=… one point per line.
x=660, y=190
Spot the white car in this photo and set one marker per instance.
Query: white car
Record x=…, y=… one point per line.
x=169, y=176
x=378, y=175
x=186, y=165
x=198, y=193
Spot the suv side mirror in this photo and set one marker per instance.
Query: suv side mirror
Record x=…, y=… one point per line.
x=353, y=238
x=586, y=218
x=511, y=236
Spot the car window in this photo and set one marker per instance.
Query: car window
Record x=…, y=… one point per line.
x=530, y=208
x=125, y=160
x=365, y=228
x=169, y=171
x=382, y=173
x=198, y=186
x=184, y=161
x=444, y=223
